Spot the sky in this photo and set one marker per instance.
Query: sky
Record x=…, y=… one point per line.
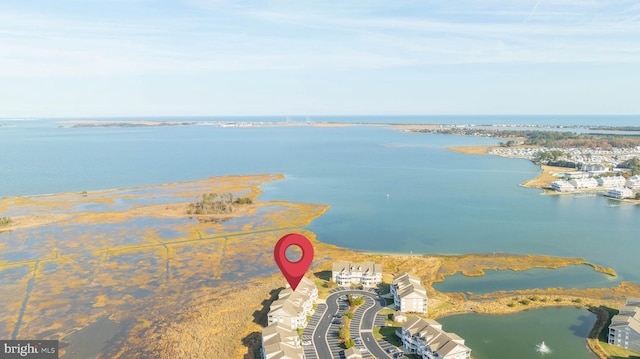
x=105, y=58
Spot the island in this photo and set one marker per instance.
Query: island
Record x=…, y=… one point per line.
x=166, y=270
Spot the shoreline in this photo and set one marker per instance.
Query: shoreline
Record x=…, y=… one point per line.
x=257, y=285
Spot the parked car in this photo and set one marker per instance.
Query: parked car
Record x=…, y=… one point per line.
x=306, y=342
x=337, y=321
x=339, y=315
x=358, y=341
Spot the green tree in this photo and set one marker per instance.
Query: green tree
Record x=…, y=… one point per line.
x=349, y=315
x=349, y=343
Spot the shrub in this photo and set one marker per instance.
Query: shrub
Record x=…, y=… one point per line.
x=577, y=300
x=525, y=302
x=349, y=315
x=558, y=299
x=5, y=221
x=349, y=343
x=511, y=305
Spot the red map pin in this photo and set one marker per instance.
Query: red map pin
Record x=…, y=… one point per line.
x=293, y=271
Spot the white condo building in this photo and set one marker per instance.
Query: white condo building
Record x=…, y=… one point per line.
x=279, y=342
x=624, y=330
x=634, y=182
x=292, y=307
x=562, y=186
x=620, y=193
x=408, y=294
x=582, y=183
x=613, y=181
x=426, y=339
x=367, y=274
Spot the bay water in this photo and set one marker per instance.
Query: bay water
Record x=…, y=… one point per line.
x=389, y=191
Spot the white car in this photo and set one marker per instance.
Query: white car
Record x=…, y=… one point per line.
x=306, y=342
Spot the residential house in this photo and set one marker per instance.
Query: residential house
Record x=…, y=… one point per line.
x=634, y=182
x=292, y=307
x=426, y=339
x=582, y=183
x=620, y=193
x=367, y=274
x=624, y=330
x=611, y=182
x=408, y=294
x=562, y=186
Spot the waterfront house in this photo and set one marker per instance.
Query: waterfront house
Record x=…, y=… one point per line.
x=292, y=307
x=611, y=182
x=426, y=339
x=367, y=274
x=634, y=182
x=620, y=193
x=408, y=294
x=280, y=342
x=562, y=186
x=624, y=330
x=584, y=183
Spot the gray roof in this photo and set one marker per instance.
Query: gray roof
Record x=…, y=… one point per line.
x=431, y=333
x=629, y=316
x=352, y=353
x=364, y=267
x=409, y=285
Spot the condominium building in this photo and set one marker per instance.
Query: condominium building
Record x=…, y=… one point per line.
x=408, y=294
x=367, y=274
x=292, y=307
x=562, y=186
x=426, y=339
x=280, y=342
x=624, y=330
x=620, y=193
x=582, y=183
x=613, y=181
x=634, y=182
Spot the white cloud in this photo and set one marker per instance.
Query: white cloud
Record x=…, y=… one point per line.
x=237, y=40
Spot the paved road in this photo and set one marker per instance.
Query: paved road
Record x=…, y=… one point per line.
x=325, y=337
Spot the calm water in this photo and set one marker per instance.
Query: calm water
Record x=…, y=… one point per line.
x=493, y=280
x=389, y=192
x=564, y=331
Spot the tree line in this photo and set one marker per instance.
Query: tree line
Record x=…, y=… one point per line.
x=214, y=203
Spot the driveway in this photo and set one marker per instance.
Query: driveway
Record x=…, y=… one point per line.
x=325, y=335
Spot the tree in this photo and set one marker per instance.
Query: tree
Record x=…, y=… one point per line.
x=343, y=332
x=349, y=343
x=349, y=315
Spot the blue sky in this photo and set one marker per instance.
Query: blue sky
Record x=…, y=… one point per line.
x=214, y=57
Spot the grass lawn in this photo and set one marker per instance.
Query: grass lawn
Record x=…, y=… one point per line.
x=619, y=353
x=615, y=351
x=323, y=291
x=388, y=334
